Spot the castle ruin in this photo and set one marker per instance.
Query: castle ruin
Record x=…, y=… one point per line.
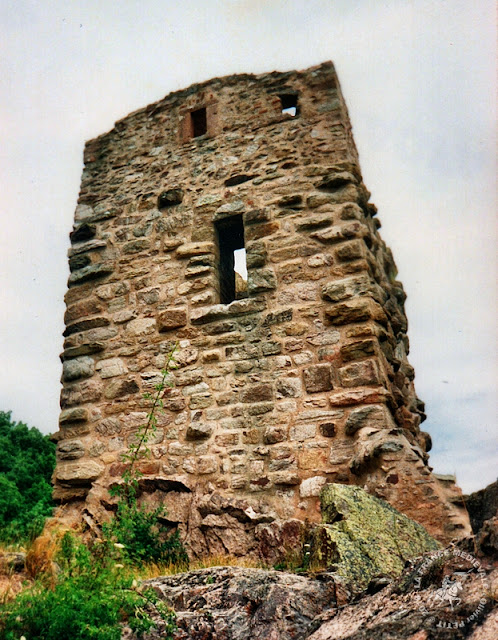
x=291, y=377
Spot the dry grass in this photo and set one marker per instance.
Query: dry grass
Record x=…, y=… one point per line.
x=12, y=584
x=219, y=560
x=41, y=554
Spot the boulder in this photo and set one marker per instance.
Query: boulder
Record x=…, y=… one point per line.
x=363, y=537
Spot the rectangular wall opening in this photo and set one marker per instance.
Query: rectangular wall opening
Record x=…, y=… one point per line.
x=199, y=122
x=232, y=268
x=289, y=103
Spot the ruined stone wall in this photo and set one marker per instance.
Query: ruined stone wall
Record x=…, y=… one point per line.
x=302, y=379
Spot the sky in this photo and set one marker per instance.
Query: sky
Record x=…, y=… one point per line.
x=419, y=78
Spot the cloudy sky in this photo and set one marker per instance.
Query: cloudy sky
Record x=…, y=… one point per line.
x=419, y=78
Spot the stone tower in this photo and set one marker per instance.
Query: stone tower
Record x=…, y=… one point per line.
x=298, y=376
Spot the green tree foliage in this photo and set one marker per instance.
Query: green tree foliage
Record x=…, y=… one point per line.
x=27, y=460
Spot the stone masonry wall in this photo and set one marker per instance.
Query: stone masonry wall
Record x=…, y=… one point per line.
x=302, y=380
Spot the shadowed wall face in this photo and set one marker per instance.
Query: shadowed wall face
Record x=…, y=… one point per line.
x=296, y=377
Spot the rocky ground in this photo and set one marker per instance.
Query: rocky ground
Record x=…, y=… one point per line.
x=441, y=595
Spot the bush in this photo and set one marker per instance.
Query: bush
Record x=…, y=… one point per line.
x=93, y=594
x=26, y=466
x=140, y=531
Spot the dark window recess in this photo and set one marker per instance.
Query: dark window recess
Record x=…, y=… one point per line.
x=199, y=122
x=230, y=234
x=289, y=103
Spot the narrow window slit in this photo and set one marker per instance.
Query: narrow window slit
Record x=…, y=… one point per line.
x=232, y=262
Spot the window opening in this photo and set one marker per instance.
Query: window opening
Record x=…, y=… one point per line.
x=199, y=122
x=289, y=103
x=232, y=265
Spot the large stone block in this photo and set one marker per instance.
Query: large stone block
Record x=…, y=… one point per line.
x=318, y=378
x=170, y=319
x=78, y=473
x=359, y=374
x=371, y=416
x=111, y=368
x=82, y=367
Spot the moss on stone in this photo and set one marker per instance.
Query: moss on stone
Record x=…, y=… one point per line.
x=363, y=537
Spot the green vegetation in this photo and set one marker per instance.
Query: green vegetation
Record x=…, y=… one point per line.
x=26, y=464
x=93, y=593
x=92, y=590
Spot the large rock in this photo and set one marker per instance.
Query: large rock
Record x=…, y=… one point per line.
x=364, y=537
x=234, y=603
x=402, y=612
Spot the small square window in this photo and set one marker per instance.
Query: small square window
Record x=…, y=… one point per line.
x=289, y=103
x=199, y=122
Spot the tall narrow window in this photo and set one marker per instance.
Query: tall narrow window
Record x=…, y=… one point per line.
x=199, y=122
x=232, y=269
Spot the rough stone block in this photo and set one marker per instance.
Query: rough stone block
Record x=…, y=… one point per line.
x=109, y=426
x=301, y=432
x=327, y=429
x=288, y=388
x=85, y=325
x=311, y=487
x=359, y=374
x=357, y=350
x=286, y=478
x=360, y=521
x=78, y=414
x=120, y=388
x=81, y=393
x=70, y=450
x=87, y=307
x=259, y=280
x=78, y=473
x=141, y=326
x=198, y=431
x=318, y=378
x=257, y=393
x=355, y=311
x=111, y=367
x=274, y=434
x=371, y=416
x=207, y=464
x=195, y=249
x=170, y=319
x=90, y=272
x=346, y=288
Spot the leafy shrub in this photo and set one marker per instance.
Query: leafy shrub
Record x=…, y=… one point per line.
x=26, y=466
x=140, y=531
x=93, y=594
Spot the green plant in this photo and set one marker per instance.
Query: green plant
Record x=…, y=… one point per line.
x=93, y=594
x=26, y=466
x=134, y=525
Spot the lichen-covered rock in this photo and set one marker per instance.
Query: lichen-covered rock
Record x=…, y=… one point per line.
x=364, y=537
